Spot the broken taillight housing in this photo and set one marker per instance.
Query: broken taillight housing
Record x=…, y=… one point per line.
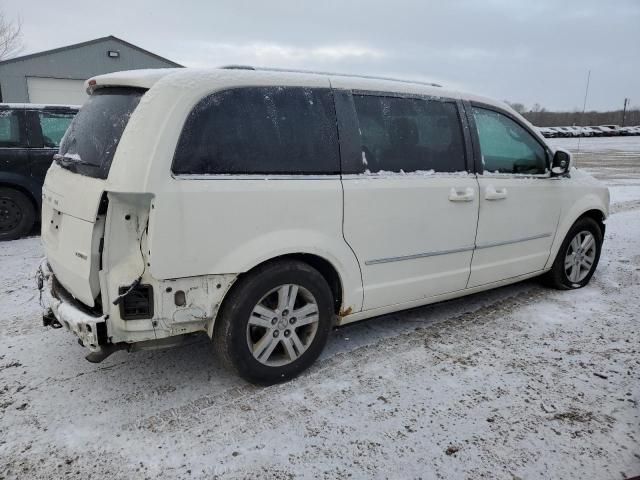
x=137, y=304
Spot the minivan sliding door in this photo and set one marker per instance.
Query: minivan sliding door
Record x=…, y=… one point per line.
x=410, y=203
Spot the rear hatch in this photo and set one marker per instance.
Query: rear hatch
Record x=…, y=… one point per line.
x=72, y=220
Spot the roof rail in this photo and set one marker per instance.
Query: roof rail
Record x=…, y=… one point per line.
x=237, y=67
x=291, y=70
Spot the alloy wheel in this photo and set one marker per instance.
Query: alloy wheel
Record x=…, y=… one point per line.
x=580, y=256
x=282, y=325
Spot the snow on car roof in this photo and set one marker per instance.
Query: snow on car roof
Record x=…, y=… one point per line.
x=142, y=78
x=198, y=77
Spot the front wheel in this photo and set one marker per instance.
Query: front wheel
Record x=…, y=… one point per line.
x=578, y=256
x=275, y=322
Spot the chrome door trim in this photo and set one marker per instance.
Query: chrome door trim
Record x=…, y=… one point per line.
x=509, y=242
x=378, y=261
x=417, y=255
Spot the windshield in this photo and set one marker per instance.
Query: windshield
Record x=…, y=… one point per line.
x=93, y=136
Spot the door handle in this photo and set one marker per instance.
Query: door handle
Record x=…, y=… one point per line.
x=493, y=193
x=466, y=195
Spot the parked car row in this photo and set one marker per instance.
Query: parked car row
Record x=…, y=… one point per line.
x=599, y=131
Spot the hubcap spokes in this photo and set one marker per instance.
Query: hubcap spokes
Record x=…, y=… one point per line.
x=580, y=256
x=282, y=325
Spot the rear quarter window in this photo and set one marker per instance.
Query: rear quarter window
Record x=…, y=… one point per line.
x=260, y=130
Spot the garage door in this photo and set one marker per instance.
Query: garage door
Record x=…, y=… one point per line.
x=56, y=90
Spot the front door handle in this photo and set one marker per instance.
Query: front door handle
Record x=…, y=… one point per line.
x=466, y=195
x=493, y=193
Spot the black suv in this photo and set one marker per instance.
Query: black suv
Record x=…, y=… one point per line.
x=29, y=137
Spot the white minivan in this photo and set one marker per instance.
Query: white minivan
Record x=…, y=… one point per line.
x=264, y=207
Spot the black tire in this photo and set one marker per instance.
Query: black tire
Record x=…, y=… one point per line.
x=230, y=336
x=17, y=214
x=557, y=277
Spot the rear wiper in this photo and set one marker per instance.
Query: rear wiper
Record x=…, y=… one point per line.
x=66, y=161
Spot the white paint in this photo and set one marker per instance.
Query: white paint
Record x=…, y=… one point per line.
x=201, y=226
x=410, y=215
x=513, y=208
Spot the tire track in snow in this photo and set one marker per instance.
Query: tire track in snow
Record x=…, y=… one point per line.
x=242, y=397
x=191, y=413
x=624, y=206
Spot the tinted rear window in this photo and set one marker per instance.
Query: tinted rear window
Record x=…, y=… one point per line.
x=260, y=130
x=93, y=136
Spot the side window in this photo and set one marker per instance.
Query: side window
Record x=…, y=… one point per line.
x=10, y=129
x=408, y=134
x=506, y=147
x=54, y=125
x=260, y=130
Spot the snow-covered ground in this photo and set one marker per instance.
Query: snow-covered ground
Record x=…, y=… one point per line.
x=629, y=145
x=613, y=159
x=520, y=382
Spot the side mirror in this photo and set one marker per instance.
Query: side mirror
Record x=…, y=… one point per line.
x=561, y=162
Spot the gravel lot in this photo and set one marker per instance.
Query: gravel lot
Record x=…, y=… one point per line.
x=519, y=382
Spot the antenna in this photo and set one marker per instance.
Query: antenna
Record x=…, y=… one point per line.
x=584, y=107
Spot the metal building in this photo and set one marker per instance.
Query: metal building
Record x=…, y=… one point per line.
x=57, y=76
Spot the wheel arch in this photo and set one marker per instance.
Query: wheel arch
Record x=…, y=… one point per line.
x=597, y=215
x=321, y=264
x=324, y=266
x=592, y=210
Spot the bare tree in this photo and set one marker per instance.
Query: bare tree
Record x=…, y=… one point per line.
x=537, y=108
x=10, y=37
x=541, y=117
x=517, y=106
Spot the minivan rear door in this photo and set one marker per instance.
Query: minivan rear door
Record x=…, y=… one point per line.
x=71, y=231
x=74, y=187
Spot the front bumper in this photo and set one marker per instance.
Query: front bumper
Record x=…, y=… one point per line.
x=90, y=329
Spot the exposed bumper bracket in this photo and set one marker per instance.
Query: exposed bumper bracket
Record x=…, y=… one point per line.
x=50, y=320
x=62, y=311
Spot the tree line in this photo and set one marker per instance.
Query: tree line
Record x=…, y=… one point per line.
x=541, y=117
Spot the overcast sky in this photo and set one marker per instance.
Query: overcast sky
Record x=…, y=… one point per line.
x=519, y=50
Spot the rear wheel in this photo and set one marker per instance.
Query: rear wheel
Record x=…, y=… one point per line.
x=275, y=322
x=578, y=256
x=17, y=214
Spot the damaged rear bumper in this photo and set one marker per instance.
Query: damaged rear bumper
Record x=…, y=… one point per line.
x=61, y=309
